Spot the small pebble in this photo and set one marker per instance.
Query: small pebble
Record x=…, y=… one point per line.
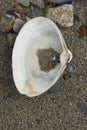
x=19, y=123
x=69, y=69
x=83, y=108
x=62, y=1
x=6, y=25
x=9, y=16
x=54, y=88
x=25, y=3
x=11, y=39
x=67, y=72
x=83, y=30
x=18, y=25
x=70, y=104
x=18, y=9
x=39, y=3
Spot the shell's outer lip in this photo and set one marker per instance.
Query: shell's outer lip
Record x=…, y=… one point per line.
x=70, y=56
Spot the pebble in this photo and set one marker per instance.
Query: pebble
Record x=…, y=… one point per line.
x=83, y=30
x=18, y=25
x=6, y=25
x=69, y=69
x=83, y=108
x=11, y=39
x=36, y=11
x=63, y=15
x=54, y=88
x=9, y=16
x=25, y=3
x=61, y=1
x=39, y=3
x=67, y=73
x=17, y=9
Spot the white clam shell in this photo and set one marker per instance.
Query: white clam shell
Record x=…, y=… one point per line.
x=38, y=33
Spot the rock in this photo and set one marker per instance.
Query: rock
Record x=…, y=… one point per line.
x=36, y=11
x=54, y=88
x=18, y=25
x=39, y=3
x=68, y=72
x=9, y=16
x=69, y=69
x=25, y=3
x=83, y=108
x=6, y=25
x=11, y=39
x=83, y=30
x=61, y=1
x=17, y=9
x=63, y=15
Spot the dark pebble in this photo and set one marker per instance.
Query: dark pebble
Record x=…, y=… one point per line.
x=9, y=16
x=83, y=30
x=77, y=17
x=54, y=88
x=69, y=69
x=83, y=108
x=67, y=72
x=11, y=39
x=64, y=1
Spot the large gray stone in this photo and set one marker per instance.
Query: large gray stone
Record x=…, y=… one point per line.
x=39, y=3
x=63, y=15
x=24, y=2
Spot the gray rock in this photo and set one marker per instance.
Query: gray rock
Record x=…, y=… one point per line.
x=25, y=3
x=83, y=107
x=9, y=16
x=11, y=39
x=63, y=15
x=54, y=88
x=18, y=25
x=69, y=69
x=67, y=72
x=39, y=3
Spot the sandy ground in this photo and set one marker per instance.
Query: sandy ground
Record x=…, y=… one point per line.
x=63, y=110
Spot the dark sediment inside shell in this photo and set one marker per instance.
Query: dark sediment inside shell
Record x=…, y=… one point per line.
x=48, y=59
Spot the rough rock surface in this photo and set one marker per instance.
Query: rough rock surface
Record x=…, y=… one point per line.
x=62, y=14
x=39, y=3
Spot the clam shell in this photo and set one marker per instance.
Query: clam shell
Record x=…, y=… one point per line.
x=38, y=34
